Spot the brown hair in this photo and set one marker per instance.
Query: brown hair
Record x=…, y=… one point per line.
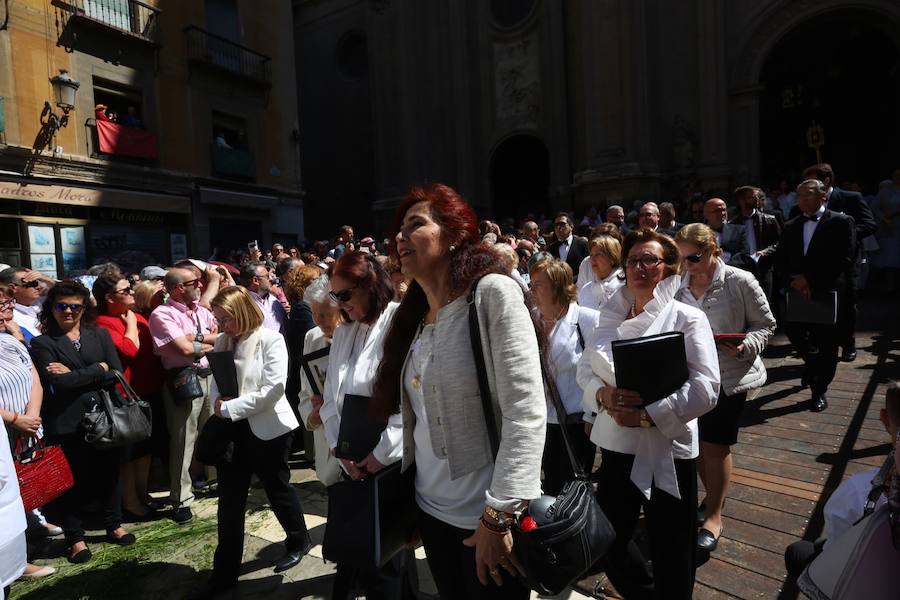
x=236, y=301
x=608, y=229
x=671, y=255
x=701, y=236
x=297, y=279
x=364, y=270
x=560, y=275
x=609, y=246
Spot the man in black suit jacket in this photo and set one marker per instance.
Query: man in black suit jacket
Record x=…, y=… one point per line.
x=852, y=204
x=731, y=238
x=567, y=247
x=762, y=231
x=816, y=255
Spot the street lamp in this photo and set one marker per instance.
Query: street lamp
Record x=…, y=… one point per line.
x=64, y=88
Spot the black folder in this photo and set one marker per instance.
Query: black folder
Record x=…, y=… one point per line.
x=359, y=433
x=654, y=366
x=820, y=309
x=225, y=373
x=314, y=366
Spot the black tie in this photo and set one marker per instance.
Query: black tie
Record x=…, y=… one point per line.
x=814, y=217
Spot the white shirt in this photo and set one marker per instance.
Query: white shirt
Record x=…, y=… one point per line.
x=809, y=228
x=459, y=502
x=27, y=317
x=593, y=292
x=564, y=352
x=12, y=517
x=356, y=352
x=847, y=503
x=564, y=247
x=272, y=310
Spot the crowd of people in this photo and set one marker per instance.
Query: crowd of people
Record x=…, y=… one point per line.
x=392, y=323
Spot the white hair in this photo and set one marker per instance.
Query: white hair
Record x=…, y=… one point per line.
x=317, y=291
x=820, y=187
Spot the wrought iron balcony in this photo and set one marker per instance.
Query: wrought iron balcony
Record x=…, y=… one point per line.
x=131, y=17
x=211, y=50
x=233, y=163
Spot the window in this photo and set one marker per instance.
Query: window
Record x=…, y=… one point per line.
x=122, y=105
x=229, y=132
x=231, y=154
x=112, y=12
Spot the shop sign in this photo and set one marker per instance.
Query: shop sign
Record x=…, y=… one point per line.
x=75, y=196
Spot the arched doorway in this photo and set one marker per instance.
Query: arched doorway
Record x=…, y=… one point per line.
x=520, y=177
x=840, y=70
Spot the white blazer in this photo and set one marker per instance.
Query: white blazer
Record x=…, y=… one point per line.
x=261, y=360
x=565, y=351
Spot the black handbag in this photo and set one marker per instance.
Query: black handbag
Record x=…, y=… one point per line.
x=117, y=420
x=184, y=383
x=215, y=444
x=576, y=533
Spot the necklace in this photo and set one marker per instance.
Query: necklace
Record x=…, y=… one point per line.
x=421, y=355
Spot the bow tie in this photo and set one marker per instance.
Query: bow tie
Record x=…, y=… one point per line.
x=814, y=217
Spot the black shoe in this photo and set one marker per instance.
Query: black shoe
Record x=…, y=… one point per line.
x=123, y=540
x=706, y=541
x=182, y=515
x=81, y=557
x=292, y=558
x=819, y=403
x=848, y=355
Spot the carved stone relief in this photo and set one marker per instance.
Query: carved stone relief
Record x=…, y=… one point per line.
x=517, y=81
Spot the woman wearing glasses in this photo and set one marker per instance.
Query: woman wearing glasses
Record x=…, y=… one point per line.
x=734, y=303
x=131, y=336
x=363, y=291
x=75, y=359
x=648, y=453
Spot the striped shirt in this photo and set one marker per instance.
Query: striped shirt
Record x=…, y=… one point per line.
x=15, y=375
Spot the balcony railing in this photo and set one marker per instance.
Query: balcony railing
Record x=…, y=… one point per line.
x=127, y=16
x=233, y=162
x=111, y=139
x=220, y=53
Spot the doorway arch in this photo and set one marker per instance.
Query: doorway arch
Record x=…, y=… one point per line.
x=520, y=177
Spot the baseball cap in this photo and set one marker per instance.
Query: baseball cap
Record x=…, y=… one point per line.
x=152, y=272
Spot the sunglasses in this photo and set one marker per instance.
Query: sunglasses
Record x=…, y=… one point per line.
x=191, y=283
x=125, y=292
x=62, y=306
x=343, y=295
x=31, y=284
x=694, y=258
x=648, y=262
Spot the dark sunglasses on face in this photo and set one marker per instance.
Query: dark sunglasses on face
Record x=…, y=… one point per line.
x=125, y=292
x=31, y=284
x=694, y=258
x=191, y=283
x=62, y=306
x=343, y=295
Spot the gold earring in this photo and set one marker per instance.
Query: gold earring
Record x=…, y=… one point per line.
x=452, y=248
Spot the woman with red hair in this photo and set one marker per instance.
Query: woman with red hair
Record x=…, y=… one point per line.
x=468, y=493
x=364, y=293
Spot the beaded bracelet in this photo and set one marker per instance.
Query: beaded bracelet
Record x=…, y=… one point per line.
x=496, y=529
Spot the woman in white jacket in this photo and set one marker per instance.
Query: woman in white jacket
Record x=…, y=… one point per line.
x=263, y=422
x=648, y=453
x=327, y=318
x=364, y=293
x=734, y=303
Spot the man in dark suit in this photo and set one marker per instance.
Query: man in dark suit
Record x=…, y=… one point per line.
x=732, y=239
x=567, y=247
x=815, y=256
x=853, y=205
x=762, y=231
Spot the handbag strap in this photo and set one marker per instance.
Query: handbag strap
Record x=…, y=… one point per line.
x=130, y=394
x=879, y=482
x=485, y=390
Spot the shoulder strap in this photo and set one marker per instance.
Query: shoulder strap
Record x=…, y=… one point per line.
x=485, y=391
x=879, y=482
x=580, y=336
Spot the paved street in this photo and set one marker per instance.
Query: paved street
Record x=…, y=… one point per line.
x=788, y=460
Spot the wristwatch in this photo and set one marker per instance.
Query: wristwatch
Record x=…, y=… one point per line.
x=504, y=519
x=198, y=349
x=646, y=422
x=199, y=337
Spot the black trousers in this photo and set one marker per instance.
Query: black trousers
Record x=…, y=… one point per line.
x=268, y=460
x=671, y=526
x=391, y=582
x=821, y=365
x=556, y=464
x=453, y=565
x=96, y=489
x=847, y=311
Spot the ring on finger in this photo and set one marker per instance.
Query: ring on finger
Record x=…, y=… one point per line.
x=494, y=571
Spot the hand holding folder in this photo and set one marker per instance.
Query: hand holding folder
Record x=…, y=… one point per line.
x=654, y=366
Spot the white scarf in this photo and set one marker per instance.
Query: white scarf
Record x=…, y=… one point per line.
x=246, y=349
x=654, y=462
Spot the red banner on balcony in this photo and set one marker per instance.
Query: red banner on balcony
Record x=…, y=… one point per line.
x=126, y=141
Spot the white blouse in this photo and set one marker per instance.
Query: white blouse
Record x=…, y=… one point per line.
x=594, y=292
x=459, y=502
x=565, y=349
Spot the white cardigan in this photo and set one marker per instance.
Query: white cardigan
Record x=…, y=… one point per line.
x=565, y=351
x=675, y=433
x=261, y=360
x=328, y=468
x=361, y=347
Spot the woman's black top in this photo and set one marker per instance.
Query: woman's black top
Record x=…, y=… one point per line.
x=67, y=397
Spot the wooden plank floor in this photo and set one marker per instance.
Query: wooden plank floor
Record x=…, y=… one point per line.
x=789, y=460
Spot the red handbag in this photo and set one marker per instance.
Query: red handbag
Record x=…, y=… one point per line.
x=43, y=472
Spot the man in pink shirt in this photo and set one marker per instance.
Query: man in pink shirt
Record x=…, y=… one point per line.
x=183, y=332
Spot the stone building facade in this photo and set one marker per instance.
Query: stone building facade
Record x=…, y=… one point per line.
x=544, y=105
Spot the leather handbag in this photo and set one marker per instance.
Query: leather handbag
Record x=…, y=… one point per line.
x=862, y=562
x=184, y=383
x=576, y=533
x=215, y=444
x=117, y=419
x=43, y=473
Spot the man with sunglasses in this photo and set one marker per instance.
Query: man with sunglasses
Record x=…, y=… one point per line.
x=27, y=287
x=568, y=247
x=183, y=332
x=762, y=231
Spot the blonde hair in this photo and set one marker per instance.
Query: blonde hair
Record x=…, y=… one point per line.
x=560, y=275
x=507, y=255
x=143, y=295
x=236, y=301
x=609, y=247
x=699, y=235
x=297, y=279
